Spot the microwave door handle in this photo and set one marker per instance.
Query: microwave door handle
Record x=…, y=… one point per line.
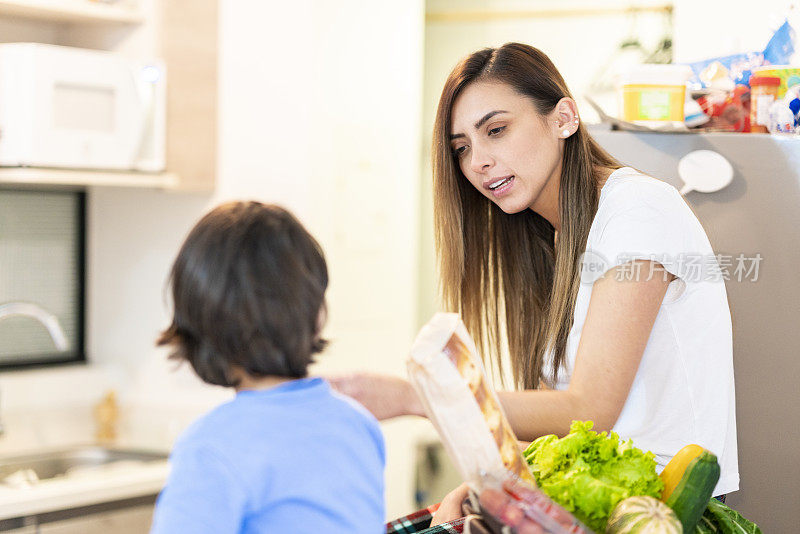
x=148, y=122
x=146, y=93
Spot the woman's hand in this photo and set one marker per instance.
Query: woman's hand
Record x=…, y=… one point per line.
x=450, y=508
x=383, y=395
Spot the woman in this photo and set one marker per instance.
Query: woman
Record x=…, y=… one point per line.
x=591, y=268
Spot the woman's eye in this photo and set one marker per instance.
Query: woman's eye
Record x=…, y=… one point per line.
x=458, y=151
x=495, y=131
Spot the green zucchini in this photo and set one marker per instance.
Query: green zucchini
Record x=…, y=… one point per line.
x=690, y=498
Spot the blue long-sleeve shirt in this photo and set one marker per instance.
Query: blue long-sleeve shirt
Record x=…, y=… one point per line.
x=295, y=458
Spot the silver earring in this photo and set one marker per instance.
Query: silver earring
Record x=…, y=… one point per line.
x=565, y=133
x=576, y=120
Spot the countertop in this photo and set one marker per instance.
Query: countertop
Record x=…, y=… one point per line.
x=104, y=485
x=28, y=432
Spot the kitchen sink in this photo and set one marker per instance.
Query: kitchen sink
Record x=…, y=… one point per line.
x=59, y=462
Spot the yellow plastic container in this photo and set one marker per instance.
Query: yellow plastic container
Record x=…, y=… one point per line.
x=654, y=95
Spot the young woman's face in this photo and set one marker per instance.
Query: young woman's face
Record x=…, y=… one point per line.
x=504, y=147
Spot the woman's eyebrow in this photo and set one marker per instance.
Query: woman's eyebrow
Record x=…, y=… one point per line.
x=480, y=122
x=487, y=117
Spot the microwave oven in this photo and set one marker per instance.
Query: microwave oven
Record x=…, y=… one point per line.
x=69, y=107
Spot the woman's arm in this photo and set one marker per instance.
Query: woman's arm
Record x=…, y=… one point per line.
x=383, y=395
x=618, y=323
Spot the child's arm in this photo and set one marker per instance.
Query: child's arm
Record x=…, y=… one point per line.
x=202, y=495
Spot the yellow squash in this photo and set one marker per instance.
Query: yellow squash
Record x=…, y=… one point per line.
x=673, y=472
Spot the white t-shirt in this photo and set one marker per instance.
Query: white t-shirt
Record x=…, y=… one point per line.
x=683, y=391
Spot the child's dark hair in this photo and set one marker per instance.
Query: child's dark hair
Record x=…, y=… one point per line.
x=248, y=287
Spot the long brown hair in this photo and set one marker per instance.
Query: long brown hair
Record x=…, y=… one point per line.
x=523, y=277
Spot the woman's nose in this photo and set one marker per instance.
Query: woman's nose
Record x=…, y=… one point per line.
x=481, y=160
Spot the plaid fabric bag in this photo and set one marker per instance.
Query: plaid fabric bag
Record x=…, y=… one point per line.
x=419, y=523
x=475, y=521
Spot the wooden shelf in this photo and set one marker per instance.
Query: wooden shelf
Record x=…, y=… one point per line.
x=70, y=177
x=85, y=11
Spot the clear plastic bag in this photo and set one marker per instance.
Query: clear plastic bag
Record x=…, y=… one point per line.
x=448, y=374
x=524, y=508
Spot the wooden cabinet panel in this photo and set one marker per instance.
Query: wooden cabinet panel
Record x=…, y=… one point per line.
x=189, y=47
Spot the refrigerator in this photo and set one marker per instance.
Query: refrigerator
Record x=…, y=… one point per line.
x=758, y=213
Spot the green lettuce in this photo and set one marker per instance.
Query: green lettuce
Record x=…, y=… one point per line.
x=589, y=473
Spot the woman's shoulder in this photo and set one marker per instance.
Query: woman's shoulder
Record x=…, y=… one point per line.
x=631, y=196
x=629, y=188
x=642, y=217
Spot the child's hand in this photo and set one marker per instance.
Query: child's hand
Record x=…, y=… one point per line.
x=383, y=395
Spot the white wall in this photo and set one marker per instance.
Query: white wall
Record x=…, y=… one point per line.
x=719, y=28
x=366, y=150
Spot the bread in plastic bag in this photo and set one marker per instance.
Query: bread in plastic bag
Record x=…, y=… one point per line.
x=449, y=377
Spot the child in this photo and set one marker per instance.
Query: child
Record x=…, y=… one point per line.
x=287, y=454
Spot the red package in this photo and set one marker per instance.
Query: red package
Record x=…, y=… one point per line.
x=728, y=111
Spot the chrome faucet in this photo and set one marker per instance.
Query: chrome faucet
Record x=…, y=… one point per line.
x=34, y=311
x=50, y=321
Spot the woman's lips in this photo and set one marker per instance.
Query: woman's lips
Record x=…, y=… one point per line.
x=503, y=189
